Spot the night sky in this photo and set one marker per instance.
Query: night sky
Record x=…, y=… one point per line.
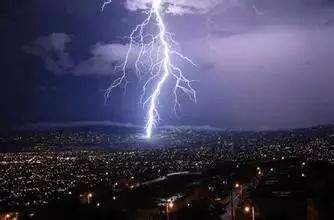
x=262, y=64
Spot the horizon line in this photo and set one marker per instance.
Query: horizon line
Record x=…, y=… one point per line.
x=50, y=125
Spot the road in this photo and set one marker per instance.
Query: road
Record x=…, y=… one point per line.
x=236, y=200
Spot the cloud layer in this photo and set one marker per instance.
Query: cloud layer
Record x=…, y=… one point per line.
x=103, y=60
x=176, y=7
x=52, y=49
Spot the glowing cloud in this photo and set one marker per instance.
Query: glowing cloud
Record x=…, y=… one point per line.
x=176, y=7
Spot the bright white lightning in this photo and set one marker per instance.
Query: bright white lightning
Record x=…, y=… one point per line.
x=107, y=2
x=154, y=51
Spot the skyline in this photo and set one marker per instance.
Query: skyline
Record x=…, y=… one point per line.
x=77, y=124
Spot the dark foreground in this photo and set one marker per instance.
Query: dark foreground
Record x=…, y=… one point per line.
x=104, y=173
x=280, y=189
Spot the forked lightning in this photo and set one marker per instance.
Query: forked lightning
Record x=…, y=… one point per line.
x=152, y=46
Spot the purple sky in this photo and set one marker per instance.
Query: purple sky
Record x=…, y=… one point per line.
x=265, y=65
x=262, y=64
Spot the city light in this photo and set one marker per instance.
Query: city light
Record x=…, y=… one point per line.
x=128, y=167
x=170, y=205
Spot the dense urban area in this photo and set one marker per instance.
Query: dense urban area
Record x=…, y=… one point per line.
x=184, y=173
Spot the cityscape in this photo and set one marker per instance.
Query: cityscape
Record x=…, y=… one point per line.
x=194, y=172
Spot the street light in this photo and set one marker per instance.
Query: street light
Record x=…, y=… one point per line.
x=89, y=197
x=248, y=209
x=169, y=205
x=237, y=185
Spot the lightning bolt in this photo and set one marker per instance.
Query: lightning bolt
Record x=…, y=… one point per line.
x=105, y=4
x=152, y=46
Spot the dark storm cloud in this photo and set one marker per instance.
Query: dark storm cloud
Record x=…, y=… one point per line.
x=104, y=59
x=52, y=49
